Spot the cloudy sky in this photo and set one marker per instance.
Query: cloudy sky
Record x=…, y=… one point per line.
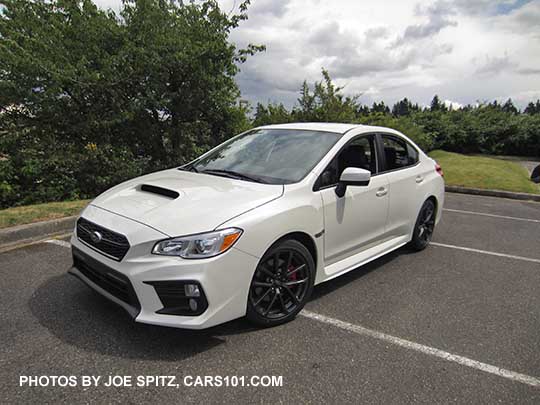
x=464, y=50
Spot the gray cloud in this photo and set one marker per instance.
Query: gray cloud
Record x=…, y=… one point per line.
x=524, y=20
x=329, y=40
x=495, y=65
x=432, y=27
x=373, y=34
x=269, y=7
x=348, y=55
x=389, y=50
x=357, y=66
x=259, y=86
x=370, y=61
x=438, y=17
x=529, y=71
x=477, y=7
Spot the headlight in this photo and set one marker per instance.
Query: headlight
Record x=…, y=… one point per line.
x=198, y=246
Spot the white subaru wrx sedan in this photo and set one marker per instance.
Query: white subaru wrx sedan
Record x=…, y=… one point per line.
x=249, y=228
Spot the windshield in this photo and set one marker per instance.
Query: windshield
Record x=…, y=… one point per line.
x=274, y=156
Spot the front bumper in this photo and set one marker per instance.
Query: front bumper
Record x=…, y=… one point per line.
x=106, y=281
x=224, y=281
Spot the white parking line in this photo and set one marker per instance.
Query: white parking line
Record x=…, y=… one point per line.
x=486, y=252
x=59, y=242
x=430, y=351
x=492, y=215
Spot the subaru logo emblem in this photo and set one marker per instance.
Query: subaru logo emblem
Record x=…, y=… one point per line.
x=96, y=237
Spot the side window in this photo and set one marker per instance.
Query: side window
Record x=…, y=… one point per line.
x=398, y=153
x=413, y=154
x=360, y=152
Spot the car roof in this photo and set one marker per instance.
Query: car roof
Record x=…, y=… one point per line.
x=328, y=127
x=315, y=126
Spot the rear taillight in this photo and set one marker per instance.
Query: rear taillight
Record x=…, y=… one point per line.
x=438, y=169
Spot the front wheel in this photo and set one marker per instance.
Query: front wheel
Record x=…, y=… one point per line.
x=424, y=227
x=281, y=285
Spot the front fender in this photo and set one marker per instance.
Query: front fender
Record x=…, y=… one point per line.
x=294, y=212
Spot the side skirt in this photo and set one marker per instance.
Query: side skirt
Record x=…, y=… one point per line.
x=352, y=262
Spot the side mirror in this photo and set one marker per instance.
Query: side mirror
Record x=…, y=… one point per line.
x=352, y=176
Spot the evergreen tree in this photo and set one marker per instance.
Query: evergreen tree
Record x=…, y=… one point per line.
x=437, y=105
x=509, y=107
x=533, y=108
x=403, y=108
x=380, y=108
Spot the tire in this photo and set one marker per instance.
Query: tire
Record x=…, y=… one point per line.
x=424, y=226
x=535, y=175
x=281, y=285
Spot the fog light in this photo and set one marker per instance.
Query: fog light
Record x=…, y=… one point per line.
x=192, y=290
x=193, y=304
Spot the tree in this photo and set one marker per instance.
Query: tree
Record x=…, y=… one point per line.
x=380, y=108
x=325, y=103
x=437, y=105
x=271, y=114
x=533, y=108
x=404, y=108
x=89, y=98
x=362, y=110
x=509, y=107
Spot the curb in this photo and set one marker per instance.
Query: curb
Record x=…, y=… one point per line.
x=493, y=193
x=39, y=230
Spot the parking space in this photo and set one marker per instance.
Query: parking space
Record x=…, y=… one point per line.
x=385, y=333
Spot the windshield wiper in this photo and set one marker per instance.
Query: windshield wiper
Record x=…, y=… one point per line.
x=233, y=174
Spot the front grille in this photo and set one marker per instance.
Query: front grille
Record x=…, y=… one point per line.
x=112, y=244
x=115, y=283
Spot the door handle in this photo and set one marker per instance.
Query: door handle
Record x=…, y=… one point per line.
x=381, y=192
x=419, y=179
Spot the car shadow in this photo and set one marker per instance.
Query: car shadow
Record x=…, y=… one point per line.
x=82, y=318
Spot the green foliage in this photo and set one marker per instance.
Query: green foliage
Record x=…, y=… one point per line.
x=404, y=108
x=489, y=128
x=533, y=108
x=405, y=125
x=149, y=88
x=437, y=105
x=271, y=114
x=89, y=98
x=326, y=103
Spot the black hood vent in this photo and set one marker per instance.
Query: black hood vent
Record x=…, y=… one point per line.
x=160, y=190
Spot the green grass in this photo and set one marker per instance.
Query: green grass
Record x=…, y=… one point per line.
x=484, y=172
x=40, y=212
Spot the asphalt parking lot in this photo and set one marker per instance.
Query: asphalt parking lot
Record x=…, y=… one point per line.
x=458, y=322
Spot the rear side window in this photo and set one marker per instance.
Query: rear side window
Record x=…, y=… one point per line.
x=398, y=153
x=413, y=154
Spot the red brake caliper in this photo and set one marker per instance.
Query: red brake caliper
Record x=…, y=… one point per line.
x=292, y=277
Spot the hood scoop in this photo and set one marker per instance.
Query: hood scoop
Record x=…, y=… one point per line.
x=160, y=190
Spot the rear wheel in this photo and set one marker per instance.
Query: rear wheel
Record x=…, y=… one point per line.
x=281, y=285
x=424, y=227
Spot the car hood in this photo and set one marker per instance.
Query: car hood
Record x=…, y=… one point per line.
x=204, y=201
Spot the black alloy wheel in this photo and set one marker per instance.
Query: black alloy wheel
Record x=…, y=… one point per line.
x=425, y=225
x=281, y=285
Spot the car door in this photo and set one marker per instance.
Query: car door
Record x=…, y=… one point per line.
x=357, y=220
x=403, y=173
